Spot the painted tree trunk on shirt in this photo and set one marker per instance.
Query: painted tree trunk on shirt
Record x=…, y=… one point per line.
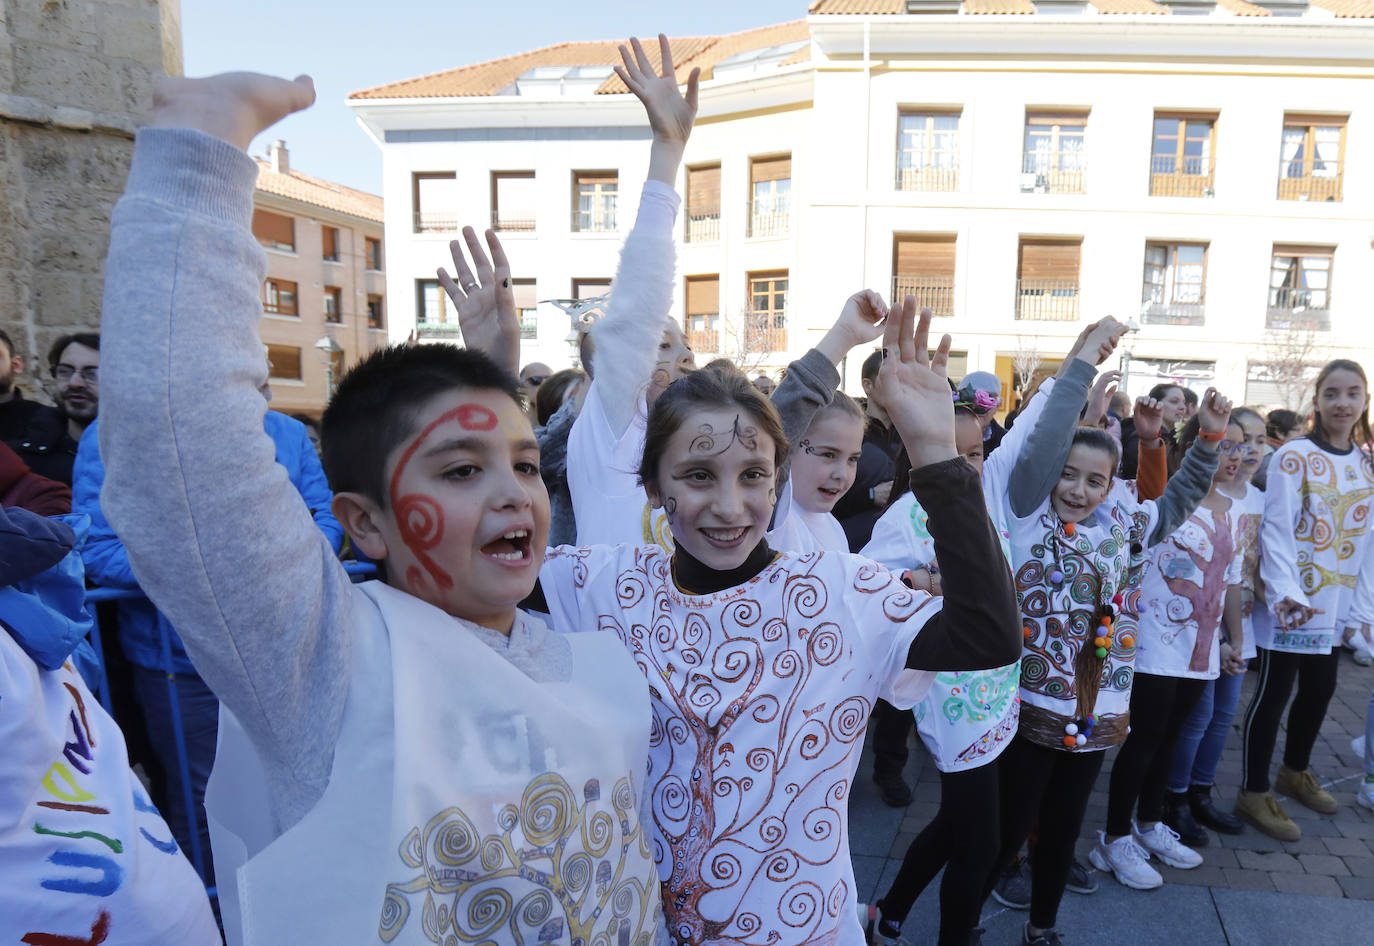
x=1208, y=593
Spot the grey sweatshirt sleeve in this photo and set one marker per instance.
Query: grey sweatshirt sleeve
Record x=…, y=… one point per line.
x=1042, y=458
x=1186, y=489
x=216, y=534
x=809, y=386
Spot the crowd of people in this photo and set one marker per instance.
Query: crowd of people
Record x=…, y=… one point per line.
x=629, y=624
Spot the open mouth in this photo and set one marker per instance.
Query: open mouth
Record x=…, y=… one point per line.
x=725, y=538
x=830, y=493
x=511, y=548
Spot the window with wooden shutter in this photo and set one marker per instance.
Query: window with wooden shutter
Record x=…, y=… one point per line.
x=279, y=297
x=703, y=312
x=374, y=254
x=770, y=196
x=329, y=244
x=1047, y=279
x=1312, y=159
x=703, y=204
x=923, y=266
x=434, y=195
x=284, y=363
x=375, y=318
x=276, y=231
x=765, y=327
x=1183, y=157
x=1300, y=287
x=1173, y=288
x=333, y=304
x=1056, y=157
x=526, y=306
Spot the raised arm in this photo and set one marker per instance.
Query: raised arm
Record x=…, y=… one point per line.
x=234, y=561
x=1190, y=485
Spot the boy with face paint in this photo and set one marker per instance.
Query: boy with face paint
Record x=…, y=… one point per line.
x=398, y=760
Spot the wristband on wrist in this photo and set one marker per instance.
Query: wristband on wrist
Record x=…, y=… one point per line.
x=1210, y=437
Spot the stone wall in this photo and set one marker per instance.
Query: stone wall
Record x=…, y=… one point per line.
x=76, y=79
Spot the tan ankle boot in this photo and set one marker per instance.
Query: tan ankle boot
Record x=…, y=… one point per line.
x=1304, y=787
x=1262, y=810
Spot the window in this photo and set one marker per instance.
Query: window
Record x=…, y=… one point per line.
x=766, y=324
x=329, y=240
x=435, y=316
x=1173, y=288
x=374, y=311
x=770, y=189
x=512, y=200
x=526, y=306
x=1055, y=153
x=1183, y=160
x=703, y=204
x=923, y=266
x=434, y=195
x=928, y=151
x=1312, y=163
x=279, y=297
x=333, y=304
x=284, y=363
x=590, y=288
x=594, y=197
x=1300, y=287
x=1047, y=279
x=274, y=231
x=374, y=254
x=703, y=312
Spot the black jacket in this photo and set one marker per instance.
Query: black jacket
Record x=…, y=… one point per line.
x=856, y=509
x=38, y=433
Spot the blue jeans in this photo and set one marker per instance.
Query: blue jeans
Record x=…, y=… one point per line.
x=199, y=726
x=1200, y=744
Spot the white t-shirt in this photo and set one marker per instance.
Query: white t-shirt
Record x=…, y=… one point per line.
x=969, y=716
x=760, y=696
x=1182, y=592
x=797, y=531
x=609, y=505
x=84, y=856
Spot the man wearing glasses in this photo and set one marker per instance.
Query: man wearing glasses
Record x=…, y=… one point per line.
x=75, y=364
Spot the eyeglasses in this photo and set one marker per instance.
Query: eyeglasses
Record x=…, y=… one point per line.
x=1228, y=447
x=89, y=374
x=535, y=380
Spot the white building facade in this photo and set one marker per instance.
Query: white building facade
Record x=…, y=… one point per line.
x=1202, y=171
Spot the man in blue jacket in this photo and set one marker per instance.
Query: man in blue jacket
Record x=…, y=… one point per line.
x=143, y=629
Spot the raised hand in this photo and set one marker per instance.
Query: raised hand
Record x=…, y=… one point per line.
x=1149, y=418
x=859, y=322
x=914, y=387
x=1214, y=412
x=1101, y=341
x=1100, y=396
x=486, y=301
x=233, y=106
x=671, y=114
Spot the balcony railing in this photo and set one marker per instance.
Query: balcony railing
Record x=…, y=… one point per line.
x=927, y=179
x=594, y=221
x=768, y=219
x=933, y=292
x=1322, y=185
x=511, y=224
x=1047, y=300
x=703, y=226
x=1172, y=176
x=704, y=339
x=1037, y=177
x=444, y=330
x=766, y=333
x=427, y=222
x=1299, y=309
x=1174, y=313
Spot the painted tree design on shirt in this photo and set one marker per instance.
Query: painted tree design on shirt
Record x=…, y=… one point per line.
x=1331, y=520
x=1205, y=588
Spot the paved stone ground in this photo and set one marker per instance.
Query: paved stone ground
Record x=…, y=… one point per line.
x=1249, y=890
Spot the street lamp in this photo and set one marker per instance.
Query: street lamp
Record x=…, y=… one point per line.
x=328, y=350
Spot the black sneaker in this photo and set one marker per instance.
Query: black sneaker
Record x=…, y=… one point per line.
x=1082, y=879
x=878, y=929
x=1043, y=938
x=1178, y=814
x=893, y=789
x=1013, y=888
x=1206, y=812
x=975, y=936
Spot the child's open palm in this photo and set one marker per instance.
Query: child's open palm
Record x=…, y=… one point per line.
x=671, y=114
x=913, y=385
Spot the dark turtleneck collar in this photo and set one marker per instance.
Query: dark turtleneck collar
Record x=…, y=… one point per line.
x=695, y=578
x=1316, y=437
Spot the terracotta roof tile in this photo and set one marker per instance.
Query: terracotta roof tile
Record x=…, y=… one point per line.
x=1346, y=8
x=312, y=190
x=1128, y=6
x=822, y=7
x=489, y=78
x=1243, y=8
x=998, y=6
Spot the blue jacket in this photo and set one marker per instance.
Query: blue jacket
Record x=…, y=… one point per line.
x=107, y=563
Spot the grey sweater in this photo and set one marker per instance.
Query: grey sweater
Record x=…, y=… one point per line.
x=216, y=533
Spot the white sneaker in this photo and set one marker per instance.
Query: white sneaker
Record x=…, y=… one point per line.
x=1126, y=859
x=1364, y=794
x=1163, y=842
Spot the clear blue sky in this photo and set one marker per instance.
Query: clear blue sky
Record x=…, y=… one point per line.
x=348, y=45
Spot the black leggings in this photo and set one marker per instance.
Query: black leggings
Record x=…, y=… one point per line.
x=963, y=838
x=1316, y=676
x=1159, y=707
x=891, y=727
x=1055, y=784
